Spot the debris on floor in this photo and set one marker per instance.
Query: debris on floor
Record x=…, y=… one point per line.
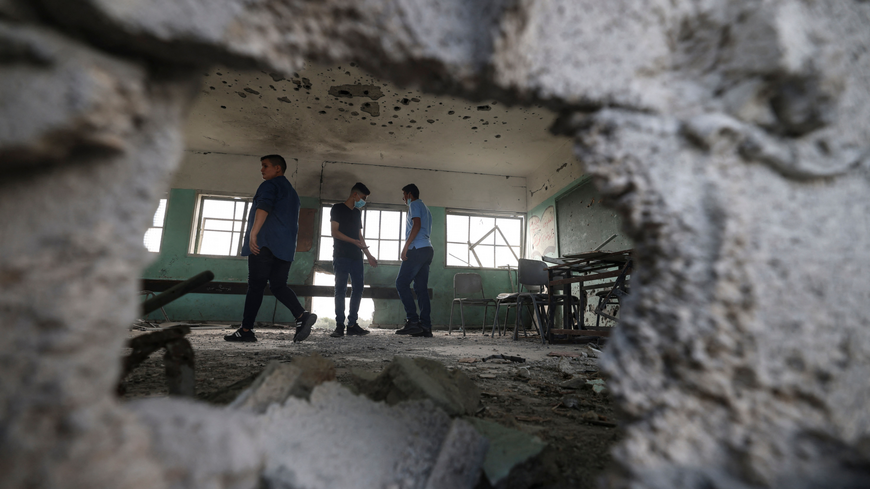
x=421, y=378
x=341, y=440
x=505, y=357
x=507, y=448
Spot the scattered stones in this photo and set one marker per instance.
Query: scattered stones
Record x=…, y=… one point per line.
x=420, y=378
x=507, y=448
x=597, y=385
x=523, y=373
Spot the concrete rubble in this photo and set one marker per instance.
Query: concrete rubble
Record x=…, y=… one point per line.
x=293, y=428
x=420, y=378
x=732, y=138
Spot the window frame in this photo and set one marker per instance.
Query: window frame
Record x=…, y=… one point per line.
x=196, y=227
x=324, y=215
x=470, y=213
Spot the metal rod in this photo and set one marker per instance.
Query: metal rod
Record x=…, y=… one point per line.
x=176, y=291
x=604, y=243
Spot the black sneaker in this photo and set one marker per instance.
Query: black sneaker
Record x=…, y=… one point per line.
x=241, y=335
x=303, y=326
x=355, y=330
x=411, y=328
x=424, y=332
x=339, y=332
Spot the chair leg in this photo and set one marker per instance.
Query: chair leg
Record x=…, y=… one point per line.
x=462, y=318
x=485, y=310
x=450, y=322
x=540, y=323
x=507, y=313
x=518, y=320
x=494, y=321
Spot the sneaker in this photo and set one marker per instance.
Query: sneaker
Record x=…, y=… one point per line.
x=424, y=332
x=242, y=335
x=303, y=326
x=411, y=328
x=355, y=330
x=339, y=332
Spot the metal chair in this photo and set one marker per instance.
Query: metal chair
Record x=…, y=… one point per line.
x=465, y=287
x=534, y=277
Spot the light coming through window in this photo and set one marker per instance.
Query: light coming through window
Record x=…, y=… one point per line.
x=384, y=232
x=483, y=241
x=221, y=225
x=154, y=235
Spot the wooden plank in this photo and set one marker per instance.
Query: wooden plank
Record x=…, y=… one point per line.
x=587, y=278
x=307, y=229
x=241, y=288
x=579, y=332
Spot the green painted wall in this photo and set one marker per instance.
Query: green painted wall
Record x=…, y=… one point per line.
x=599, y=226
x=174, y=262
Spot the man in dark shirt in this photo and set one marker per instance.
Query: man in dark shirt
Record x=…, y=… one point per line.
x=270, y=245
x=349, y=244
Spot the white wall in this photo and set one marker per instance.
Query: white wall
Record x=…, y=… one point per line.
x=558, y=170
x=240, y=174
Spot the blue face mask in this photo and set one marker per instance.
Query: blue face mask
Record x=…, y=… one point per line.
x=359, y=204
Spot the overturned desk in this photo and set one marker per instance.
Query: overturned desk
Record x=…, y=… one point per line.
x=581, y=269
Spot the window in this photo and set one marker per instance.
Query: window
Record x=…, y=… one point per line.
x=483, y=241
x=154, y=235
x=221, y=225
x=384, y=232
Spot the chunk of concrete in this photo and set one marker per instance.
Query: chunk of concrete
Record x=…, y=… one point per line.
x=274, y=385
x=278, y=381
x=203, y=447
x=420, y=378
x=340, y=440
x=507, y=448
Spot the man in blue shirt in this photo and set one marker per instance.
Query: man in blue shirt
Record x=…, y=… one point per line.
x=270, y=245
x=416, y=258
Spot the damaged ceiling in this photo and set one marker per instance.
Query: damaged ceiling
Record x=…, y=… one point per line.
x=341, y=113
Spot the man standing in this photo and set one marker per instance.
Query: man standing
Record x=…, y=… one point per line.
x=270, y=245
x=416, y=258
x=348, y=246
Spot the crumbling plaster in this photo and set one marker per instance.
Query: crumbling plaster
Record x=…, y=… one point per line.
x=732, y=137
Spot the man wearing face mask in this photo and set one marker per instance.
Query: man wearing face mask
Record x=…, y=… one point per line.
x=349, y=244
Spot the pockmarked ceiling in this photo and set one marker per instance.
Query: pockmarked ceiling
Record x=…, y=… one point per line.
x=340, y=113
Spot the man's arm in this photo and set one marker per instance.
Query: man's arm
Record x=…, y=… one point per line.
x=372, y=260
x=415, y=228
x=343, y=237
x=259, y=219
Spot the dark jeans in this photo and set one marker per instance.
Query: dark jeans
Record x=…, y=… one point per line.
x=343, y=268
x=264, y=268
x=416, y=269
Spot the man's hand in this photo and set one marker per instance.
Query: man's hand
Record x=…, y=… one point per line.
x=359, y=244
x=373, y=261
x=404, y=254
x=255, y=249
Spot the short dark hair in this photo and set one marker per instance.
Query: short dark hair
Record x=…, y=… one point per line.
x=276, y=160
x=413, y=190
x=361, y=188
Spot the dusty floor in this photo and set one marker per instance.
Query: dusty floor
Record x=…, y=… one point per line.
x=520, y=395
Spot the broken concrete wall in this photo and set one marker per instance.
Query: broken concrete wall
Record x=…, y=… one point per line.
x=732, y=136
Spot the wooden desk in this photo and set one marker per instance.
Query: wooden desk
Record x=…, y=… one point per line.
x=578, y=269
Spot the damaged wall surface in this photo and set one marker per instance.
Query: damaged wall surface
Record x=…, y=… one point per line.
x=731, y=136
